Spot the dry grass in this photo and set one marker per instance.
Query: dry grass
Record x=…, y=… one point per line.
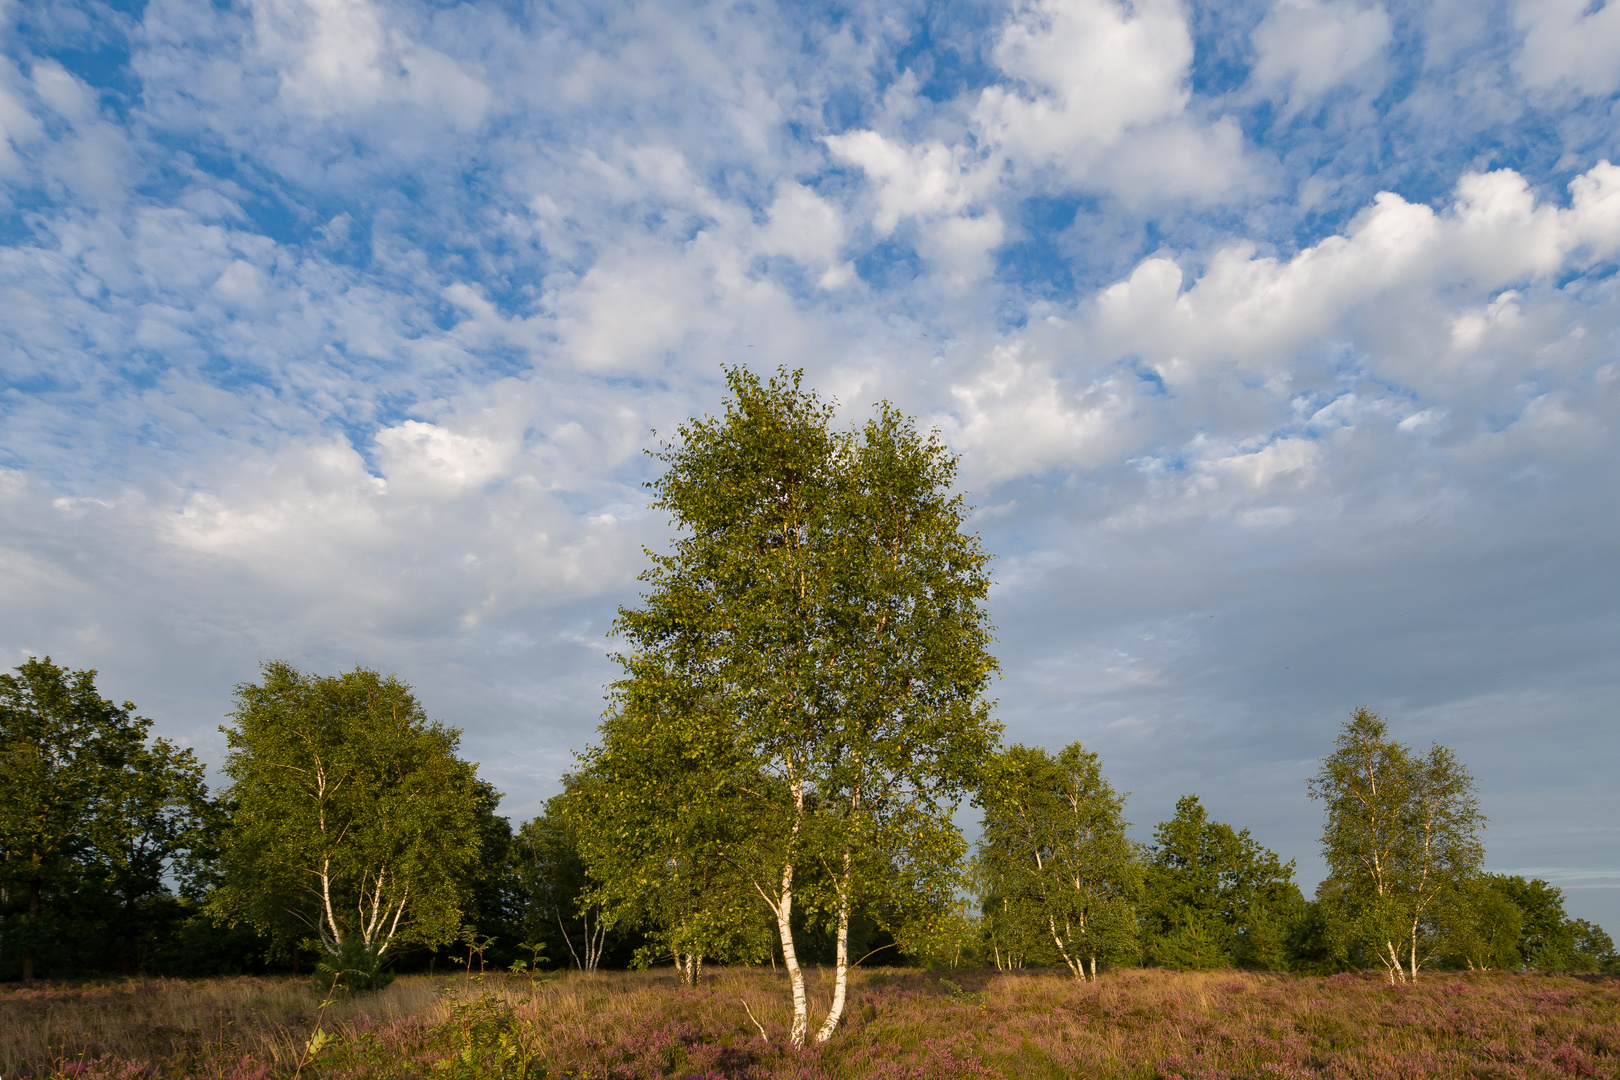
x=902, y=1024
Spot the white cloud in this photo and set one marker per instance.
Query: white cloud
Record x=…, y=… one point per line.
x=1304, y=48
x=427, y=457
x=1255, y=312
x=18, y=126
x=1571, y=43
x=1096, y=69
x=803, y=226
x=1013, y=417
x=338, y=56
x=927, y=181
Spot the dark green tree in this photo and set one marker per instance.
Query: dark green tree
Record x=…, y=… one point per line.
x=153, y=822
x=823, y=599
x=354, y=818
x=1592, y=948
x=1214, y=896
x=561, y=900
x=1548, y=939
x=84, y=801
x=1054, y=852
x=1479, y=926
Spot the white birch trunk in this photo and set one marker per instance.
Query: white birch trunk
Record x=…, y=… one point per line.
x=835, y=1014
x=1077, y=969
x=790, y=960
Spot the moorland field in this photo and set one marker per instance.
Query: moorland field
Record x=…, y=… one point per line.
x=902, y=1023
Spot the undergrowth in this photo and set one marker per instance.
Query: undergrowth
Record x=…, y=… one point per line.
x=902, y=1025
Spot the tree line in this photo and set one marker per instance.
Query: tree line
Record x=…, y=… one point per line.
x=801, y=713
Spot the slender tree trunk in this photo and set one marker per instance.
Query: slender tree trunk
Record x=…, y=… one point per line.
x=790, y=959
x=569, y=942
x=30, y=952
x=841, y=979
x=690, y=966
x=595, y=946
x=1076, y=968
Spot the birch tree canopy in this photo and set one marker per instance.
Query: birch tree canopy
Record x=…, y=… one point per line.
x=354, y=818
x=1054, y=852
x=1402, y=833
x=824, y=601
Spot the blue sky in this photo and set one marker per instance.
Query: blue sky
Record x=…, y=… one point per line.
x=1278, y=340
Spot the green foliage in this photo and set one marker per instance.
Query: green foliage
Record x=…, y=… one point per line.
x=1547, y=939
x=486, y=1042
x=355, y=968
x=815, y=645
x=1402, y=831
x=661, y=816
x=1592, y=949
x=94, y=820
x=1480, y=927
x=1214, y=896
x=352, y=813
x=1053, y=857
x=562, y=902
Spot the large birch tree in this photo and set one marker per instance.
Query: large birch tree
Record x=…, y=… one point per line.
x=1402, y=831
x=353, y=818
x=824, y=601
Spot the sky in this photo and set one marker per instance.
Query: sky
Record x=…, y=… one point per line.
x=1278, y=341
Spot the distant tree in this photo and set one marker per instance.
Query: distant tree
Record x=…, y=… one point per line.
x=81, y=793
x=562, y=901
x=1592, y=948
x=1214, y=896
x=1011, y=925
x=1054, y=849
x=153, y=820
x=1546, y=936
x=662, y=812
x=1548, y=939
x=824, y=600
x=353, y=816
x=1479, y=927
x=1402, y=830
x=496, y=901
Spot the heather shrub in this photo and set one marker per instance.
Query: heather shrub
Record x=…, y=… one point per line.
x=901, y=1024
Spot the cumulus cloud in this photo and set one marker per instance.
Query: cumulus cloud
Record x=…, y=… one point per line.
x=1092, y=70
x=1255, y=313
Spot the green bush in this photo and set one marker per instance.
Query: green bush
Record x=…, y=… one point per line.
x=353, y=969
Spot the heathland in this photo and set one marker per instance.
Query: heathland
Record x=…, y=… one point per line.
x=902, y=1023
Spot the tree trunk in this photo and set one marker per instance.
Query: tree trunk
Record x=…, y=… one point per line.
x=841, y=979
x=569, y=941
x=30, y=953
x=790, y=959
x=1076, y=968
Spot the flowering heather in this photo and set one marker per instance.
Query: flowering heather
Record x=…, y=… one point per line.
x=902, y=1025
